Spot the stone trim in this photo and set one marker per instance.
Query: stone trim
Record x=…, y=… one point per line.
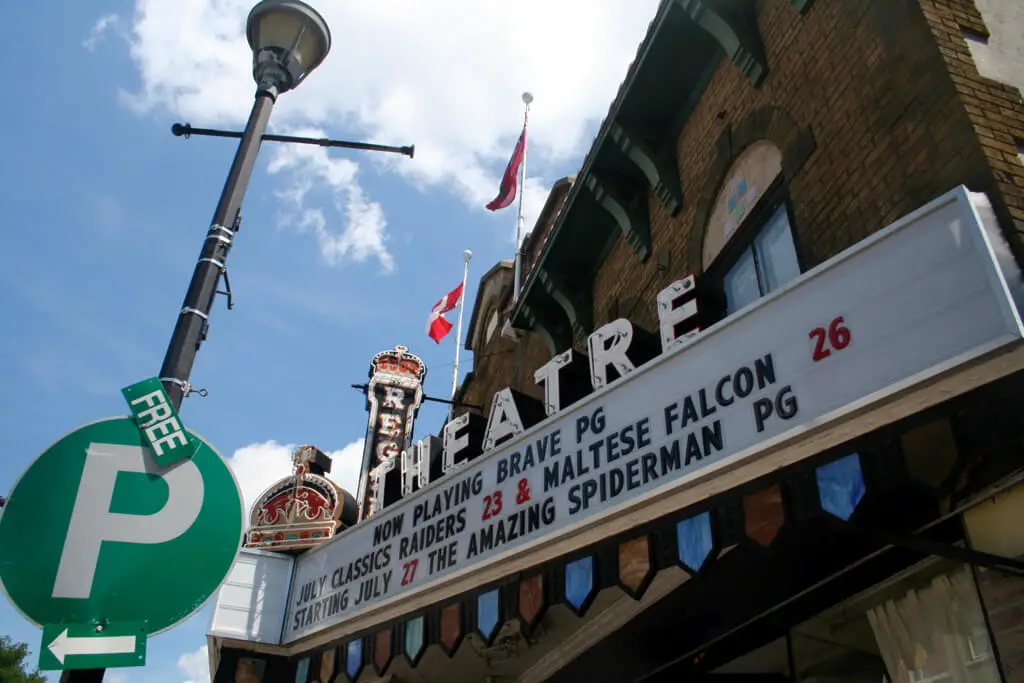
x=770, y=123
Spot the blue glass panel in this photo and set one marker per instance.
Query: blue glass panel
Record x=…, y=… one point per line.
x=694, y=540
x=741, y=287
x=354, y=659
x=302, y=670
x=841, y=486
x=579, y=581
x=487, y=613
x=413, y=638
x=776, y=254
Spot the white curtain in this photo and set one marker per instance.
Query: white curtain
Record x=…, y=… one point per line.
x=936, y=634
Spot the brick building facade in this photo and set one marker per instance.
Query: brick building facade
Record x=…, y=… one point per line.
x=856, y=519
x=876, y=108
x=872, y=109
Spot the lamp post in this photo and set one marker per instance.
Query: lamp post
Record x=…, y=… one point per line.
x=289, y=39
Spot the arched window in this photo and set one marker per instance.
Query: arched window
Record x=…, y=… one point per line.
x=749, y=240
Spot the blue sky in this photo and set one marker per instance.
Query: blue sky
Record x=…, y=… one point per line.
x=340, y=255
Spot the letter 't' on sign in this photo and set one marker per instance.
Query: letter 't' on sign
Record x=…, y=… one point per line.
x=463, y=440
x=512, y=413
x=617, y=349
x=565, y=378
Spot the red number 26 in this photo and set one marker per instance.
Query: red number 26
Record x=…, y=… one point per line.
x=836, y=338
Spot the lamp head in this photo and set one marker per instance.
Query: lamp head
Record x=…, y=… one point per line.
x=289, y=39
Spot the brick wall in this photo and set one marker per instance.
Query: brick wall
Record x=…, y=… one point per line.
x=995, y=110
x=889, y=131
x=505, y=363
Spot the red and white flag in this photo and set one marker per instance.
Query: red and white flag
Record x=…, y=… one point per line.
x=507, y=193
x=437, y=326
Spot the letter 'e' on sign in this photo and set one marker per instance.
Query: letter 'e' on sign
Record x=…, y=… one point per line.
x=159, y=422
x=677, y=313
x=463, y=440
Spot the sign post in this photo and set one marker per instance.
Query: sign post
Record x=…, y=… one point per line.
x=101, y=545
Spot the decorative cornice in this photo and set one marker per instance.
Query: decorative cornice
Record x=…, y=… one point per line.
x=662, y=174
x=628, y=212
x=735, y=29
x=576, y=304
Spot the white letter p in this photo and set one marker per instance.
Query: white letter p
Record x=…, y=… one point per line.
x=92, y=522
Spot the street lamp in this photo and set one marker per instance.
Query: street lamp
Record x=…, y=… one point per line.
x=289, y=39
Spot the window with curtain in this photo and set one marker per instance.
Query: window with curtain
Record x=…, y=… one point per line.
x=766, y=264
x=936, y=634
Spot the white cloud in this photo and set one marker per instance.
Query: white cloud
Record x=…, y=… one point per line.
x=195, y=665
x=98, y=30
x=259, y=465
x=116, y=677
x=444, y=75
x=365, y=231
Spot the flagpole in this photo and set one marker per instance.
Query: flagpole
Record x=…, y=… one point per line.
x=527, y=99
x=466, y=255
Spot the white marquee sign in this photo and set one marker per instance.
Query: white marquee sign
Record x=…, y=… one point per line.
x=918, y=298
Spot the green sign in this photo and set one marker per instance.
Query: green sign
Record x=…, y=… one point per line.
x=159, y=422
x=95, y=532
x=86, y=646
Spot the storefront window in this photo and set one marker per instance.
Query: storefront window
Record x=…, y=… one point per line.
x=923, y=626
x=769, y=263
x=935, y=634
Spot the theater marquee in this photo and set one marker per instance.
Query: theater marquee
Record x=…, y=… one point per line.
x=918, y=298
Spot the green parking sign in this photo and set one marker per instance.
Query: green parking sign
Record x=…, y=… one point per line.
x=96, y=535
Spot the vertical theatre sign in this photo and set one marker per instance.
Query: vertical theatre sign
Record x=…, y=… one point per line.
x=393, y=398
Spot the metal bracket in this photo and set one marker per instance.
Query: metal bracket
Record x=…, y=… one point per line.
x=186, y=387
x=366, y=387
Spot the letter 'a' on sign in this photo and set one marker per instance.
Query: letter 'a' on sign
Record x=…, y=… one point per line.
x=159, y=422
x=566, y=380
x=116, y=539
x=617, y=349
x=512, y=413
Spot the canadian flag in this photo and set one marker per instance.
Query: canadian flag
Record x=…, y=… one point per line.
x=437, y=326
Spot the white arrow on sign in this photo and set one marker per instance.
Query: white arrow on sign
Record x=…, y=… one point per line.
x=63, y=645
